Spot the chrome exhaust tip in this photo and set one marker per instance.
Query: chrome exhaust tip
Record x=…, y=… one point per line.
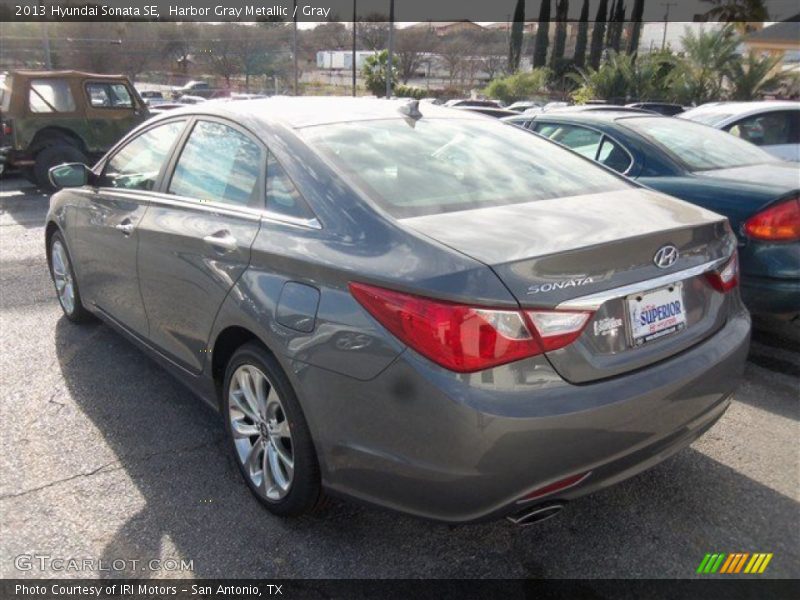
x=535, y=515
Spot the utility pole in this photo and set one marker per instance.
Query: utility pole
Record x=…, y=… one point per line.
x=294, y=47
x=354, y=48
x=666, y=21
x=389, y=53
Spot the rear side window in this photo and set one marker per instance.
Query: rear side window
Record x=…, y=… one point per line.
x=137, y=164
x=578, y=139
x=50, y=96
x=432, y=166
x=589, y=143
x=219, y=164
x=769, y=129
x=109, y=95
x=282, y=196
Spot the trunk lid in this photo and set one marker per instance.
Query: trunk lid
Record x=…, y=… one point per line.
x=549, y=253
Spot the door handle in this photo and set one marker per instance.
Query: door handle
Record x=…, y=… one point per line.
x=126, y=227
x=222, y=240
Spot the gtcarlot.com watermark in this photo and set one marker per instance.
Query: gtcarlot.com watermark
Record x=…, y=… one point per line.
x=63, y=564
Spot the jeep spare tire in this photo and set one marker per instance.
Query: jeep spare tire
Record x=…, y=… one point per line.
x=50, y=156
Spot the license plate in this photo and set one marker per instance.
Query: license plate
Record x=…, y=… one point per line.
x=657, y=313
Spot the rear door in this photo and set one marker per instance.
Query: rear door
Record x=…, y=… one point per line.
x=196, y=236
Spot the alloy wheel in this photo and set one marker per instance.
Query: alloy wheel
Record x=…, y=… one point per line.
x=261, y=432
x=62, y=276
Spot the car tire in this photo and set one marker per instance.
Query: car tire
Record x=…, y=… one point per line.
x=51, y=156
x=65, y=282
x=267, y=431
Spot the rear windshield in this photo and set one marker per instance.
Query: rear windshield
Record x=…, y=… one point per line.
x=433, y=166
x=699, y=147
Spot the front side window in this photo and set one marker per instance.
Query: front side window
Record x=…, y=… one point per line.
x=769, y=129
x=699, y=147
x=282, y=196
x=50, y=96
x=219, y=164
x=439, y=165
x=109, y=95
x=137, y=164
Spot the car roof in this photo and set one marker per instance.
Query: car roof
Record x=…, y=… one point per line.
x=743, y=108
x=594, y=116
x=308, y=111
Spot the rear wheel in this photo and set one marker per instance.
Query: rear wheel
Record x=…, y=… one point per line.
x=64, y=279
x=56, y=154
x=268, y=434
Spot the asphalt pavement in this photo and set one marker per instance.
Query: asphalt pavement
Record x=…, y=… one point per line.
x=104, y=457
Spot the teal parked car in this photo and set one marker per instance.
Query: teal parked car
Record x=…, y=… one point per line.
x=759, y=193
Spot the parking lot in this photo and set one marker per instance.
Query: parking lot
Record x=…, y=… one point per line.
x=105, y=456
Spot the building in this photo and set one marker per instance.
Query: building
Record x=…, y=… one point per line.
x=779, y=39
x=341, y=59
x=442, y=28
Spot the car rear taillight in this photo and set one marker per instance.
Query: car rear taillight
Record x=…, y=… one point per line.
x=727, y=277
x=467, y=338
x=779, y=223
x=5, y=128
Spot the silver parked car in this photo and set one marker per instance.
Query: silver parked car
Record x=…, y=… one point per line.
x=417, y=307
x=773, y=125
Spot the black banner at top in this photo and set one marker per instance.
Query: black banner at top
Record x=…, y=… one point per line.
x=408, y=11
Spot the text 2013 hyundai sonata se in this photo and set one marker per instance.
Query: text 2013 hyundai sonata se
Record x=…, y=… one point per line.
x=430, y=312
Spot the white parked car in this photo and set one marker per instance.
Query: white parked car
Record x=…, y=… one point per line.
x=774, y=125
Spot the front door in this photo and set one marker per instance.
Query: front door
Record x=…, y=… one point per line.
x=195, y=238
x=106, y=229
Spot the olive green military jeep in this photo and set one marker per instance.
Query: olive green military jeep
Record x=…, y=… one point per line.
x=52, y=117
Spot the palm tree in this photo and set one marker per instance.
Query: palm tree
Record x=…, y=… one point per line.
x=738, y=12
x=753, y=75
x=708, y=56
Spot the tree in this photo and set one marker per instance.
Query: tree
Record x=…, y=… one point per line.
x=518, y=86
x=373, y=31
x=708, y=56
x=410, y=49
x=454, y=51
x=739, y=12
x=636, y=28
x=493, y=61
x=542, y=36
x=560, y=41
x=220, y=50
x=754, y=75
x=583, y=35
x=515, y=41
x=621, y=77
x=374, y=71
x=598, y=34
x=615, y=27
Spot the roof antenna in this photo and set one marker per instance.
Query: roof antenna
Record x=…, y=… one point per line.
x=411, y=109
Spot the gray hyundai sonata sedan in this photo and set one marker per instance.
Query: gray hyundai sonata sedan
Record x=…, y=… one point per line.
x=416, y=307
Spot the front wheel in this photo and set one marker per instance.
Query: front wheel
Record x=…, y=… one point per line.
x=268, y=434
x=63, y=276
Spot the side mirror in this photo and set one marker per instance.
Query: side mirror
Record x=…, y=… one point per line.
x=70, y=175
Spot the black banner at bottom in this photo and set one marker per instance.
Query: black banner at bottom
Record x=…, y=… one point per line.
x=414, y=589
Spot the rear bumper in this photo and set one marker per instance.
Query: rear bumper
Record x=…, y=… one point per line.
x=458, y=448
x=767, y=295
